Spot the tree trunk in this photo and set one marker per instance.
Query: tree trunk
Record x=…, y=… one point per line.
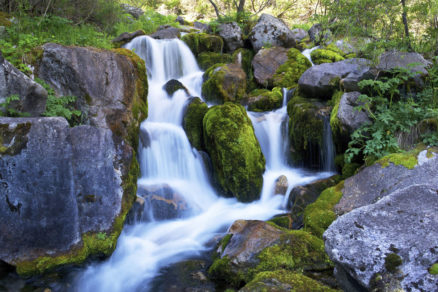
x=215, y=9
x=405, y=23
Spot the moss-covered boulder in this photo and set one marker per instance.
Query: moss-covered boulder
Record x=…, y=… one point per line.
x=224, y=82
x=203, y=42
x=265, y=64
x=328, y=54
x=174, y=85
x=306, y=129
x=244, y=58
x=261, y=100
x=288, y=74
x=236, y=155
x=192, y=123
x=208, y=59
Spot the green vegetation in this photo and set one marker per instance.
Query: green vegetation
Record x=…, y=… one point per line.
x=287, y=74
x=202, y=42
x=7, y=107
x=192, y=122
x=433, y=270
x=261, y=100
x=392, y=262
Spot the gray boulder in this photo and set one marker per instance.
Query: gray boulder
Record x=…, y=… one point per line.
x=281, y=185
x=317, y=34
x=389, y=245
x=202, y=27
x=173, y=85
x=32, y=96
x=180, y=20
x=394, y=59
x=134, y=11
x=266, y=63
x=351, y=119
x=384, y=177
x=271, y=31
x=232, y=36
x=166, y=32
x=126, y=37
x=320, y=81
x=299, y=34
x=61, y=189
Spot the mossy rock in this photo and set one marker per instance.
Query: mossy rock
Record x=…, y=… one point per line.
x=319, y=215
x=208, y=59
x=328, y=54
x=244, y=57
x=224, y=82
x=288, y=74
x=236, y=155
x=192, y=122
x=284, y=280
x=341, y=137
x=306, y=128
x=4, y=19
x=261, y=100
x=203, y=42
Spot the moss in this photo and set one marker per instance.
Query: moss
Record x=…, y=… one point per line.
x=4, y=19
x=340, y=136
x=407, y=159
x=192, y=122
x=282, y=222
x=329, y=54
x=392, y=262
x=349, y=169
x=202, y=42
x=220, y=271
x=319, y=215
x=298, y=282
x=208, y=59
x=236, y=155
x=433, y=270
x=245, y=57
x=287, y=74
x=224, y=82
x=225, y=241
x=306, y=129
x=261, y=100
x=13, y=141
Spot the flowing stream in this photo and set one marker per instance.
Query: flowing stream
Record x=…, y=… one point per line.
x=168, y=159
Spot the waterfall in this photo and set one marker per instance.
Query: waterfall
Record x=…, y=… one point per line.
x=307, y=53
x=328, y=151
x=167, y=158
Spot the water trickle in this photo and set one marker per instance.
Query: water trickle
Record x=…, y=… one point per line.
x=328, y=150
x=307, y=53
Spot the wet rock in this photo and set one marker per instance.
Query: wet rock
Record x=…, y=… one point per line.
x=136, y=213
x=388, y=245
x=166, y=32
x=192, y=122
x=351, y=119
x=202, y=27
x=394, y=59
x=320, y=81
x=261, y=100
x=203, y=42
x=127, y=37
x=271, y=31
x=173, y=85
x=209, y=59
x=288, y=74
x=299, y=34
x=232, y=36
x=266, y=63
x=134, y=11
x=281, y=185
x=32, y=96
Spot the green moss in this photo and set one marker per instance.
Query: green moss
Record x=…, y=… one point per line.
x=245, y=57
x=4, y=19
x=192, y=122
x=433, y=270
x=282, y=222
x=236, y=155
x=261, y=100
x=340, y=136
x=392, y=261
x=319, y=215
x=208, y=59
x=287, y=74
x=329, y=54
x=220, y=271
x=225, y=241
x=407, y=159
x=224, y=83
x=298, y=282
x=349, y=169
x=202, y=42
x=13, y=141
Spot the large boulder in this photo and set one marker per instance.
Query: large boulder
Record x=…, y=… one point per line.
x=232, y=36
x=389, y=245
x=236, y=155
x=111, y=86
x=288, y=74
x=65, y=192
x=192, y=122
x=394, y=59
x=299, y=34
x=266, y=63
x=166, y=32
x=321, y=81
x=126, y=37
x=261, y=100
x=208, y=59
x=203, y=42
x=174, y=85
x=271, y=31
x=389, y=174
x=224, y=82
x=32, y=96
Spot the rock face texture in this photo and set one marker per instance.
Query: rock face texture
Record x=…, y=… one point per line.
x=271, y=31
x=351, y=119
x=392, y=60
x=126, y=37
x=320, y=81
x=166, y=32
x=232, y=36
x=203, y=42
x=389, y=245
x=32, y=96
x=64, y=191
x=266, y=63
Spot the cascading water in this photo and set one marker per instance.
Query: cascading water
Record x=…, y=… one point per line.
x=167, y=158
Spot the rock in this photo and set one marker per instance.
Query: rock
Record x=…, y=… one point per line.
x=173, y=85
x=351, y=119
x=64, y=192
x=266, y=63
x=166, y=32
x=134, y=11
x=232, y=36
x=301, y=196
x=320, y=81
x=202, y=42
x=261, y=100
x=244, y=57
x=32, y=96
x=202, y=27
x=391, y=243
x=236, y=155
x=329, y=54
x=272, y=31
x=346, y=47
x=192, y=122
x=208, y=59
x=162, y=202
x=389, y=174
x=224, y=82
x=135, y=215
x=127, y=37
x=288, y=74
x=299, y=34
x=111, y=86
x=180, y=20
x=281, y=185
x=317, y=34
x=394, y=59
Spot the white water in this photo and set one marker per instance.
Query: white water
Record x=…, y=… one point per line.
x=143, y=249
x=307, y=53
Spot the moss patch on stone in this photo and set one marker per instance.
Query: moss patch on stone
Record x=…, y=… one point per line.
x=392, y=262
x=208, y=59
x=225, y=241
x=282, y=222
x=319, y=215
x=13, y=140
x=203, y=42
x=433, y=270
x=236, y=155
x=192, y=122
x=328, y=54
x=287, y=74
x=220, y=272
x=340, y=135
x=244, y=58
x=261, y=100
x=406, y=159
x=4, y=19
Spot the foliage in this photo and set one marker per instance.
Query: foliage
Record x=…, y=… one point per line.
x=7, y=107
x=148, y=22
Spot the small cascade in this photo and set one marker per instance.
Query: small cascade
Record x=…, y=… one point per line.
x=307, y=53
x=328, y=151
